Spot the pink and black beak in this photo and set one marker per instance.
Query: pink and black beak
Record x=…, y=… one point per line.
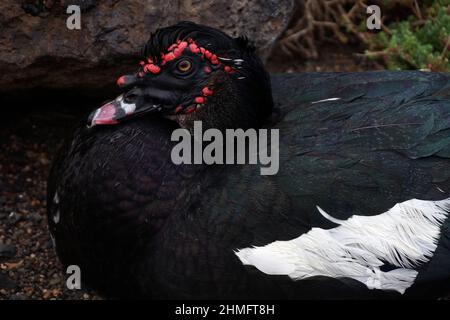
x=118, y=110
x=124, y=106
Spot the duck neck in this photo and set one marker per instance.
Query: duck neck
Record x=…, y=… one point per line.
x=231, y=107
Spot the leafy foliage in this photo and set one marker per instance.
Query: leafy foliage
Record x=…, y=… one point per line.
x=418, y=42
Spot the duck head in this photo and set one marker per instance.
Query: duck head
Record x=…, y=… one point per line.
x=193, y=72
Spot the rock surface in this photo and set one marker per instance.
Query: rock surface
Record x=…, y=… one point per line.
x=37, y=50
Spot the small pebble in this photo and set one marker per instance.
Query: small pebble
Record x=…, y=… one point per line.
x=6, y=282
x=7, y=251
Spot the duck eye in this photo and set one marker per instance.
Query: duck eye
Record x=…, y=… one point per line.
x=184, y=66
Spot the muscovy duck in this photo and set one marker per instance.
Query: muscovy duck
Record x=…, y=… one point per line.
x=358, y=209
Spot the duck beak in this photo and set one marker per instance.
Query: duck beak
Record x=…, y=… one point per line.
x=117, y=110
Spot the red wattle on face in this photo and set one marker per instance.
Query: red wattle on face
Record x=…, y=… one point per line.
x=121, y=81
x=127, y=80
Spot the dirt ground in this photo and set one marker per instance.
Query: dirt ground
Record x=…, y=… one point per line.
x=29, y=268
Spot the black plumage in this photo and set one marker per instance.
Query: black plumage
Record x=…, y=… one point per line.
x=207, y=37
x=140, y=226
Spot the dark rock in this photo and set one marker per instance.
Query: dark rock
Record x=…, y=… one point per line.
x=14, y=217
x=6, y=282
x=18, y=296
x=7, y=251
x=19, y=233
x=55, y=281
x=35, y=216
x=37, y=50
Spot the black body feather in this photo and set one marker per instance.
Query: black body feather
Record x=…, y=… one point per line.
x=140, y=226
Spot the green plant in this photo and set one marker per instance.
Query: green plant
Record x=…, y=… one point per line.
x=420, y=42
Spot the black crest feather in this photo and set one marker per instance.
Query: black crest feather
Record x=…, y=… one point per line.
x=211, y=39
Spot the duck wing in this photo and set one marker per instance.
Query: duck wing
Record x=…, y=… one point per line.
x=357, y=151
x=357, y=144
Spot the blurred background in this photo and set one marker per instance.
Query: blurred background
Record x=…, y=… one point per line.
x=51, y=75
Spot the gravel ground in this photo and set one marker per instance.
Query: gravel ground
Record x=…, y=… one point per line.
x=29, y=268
